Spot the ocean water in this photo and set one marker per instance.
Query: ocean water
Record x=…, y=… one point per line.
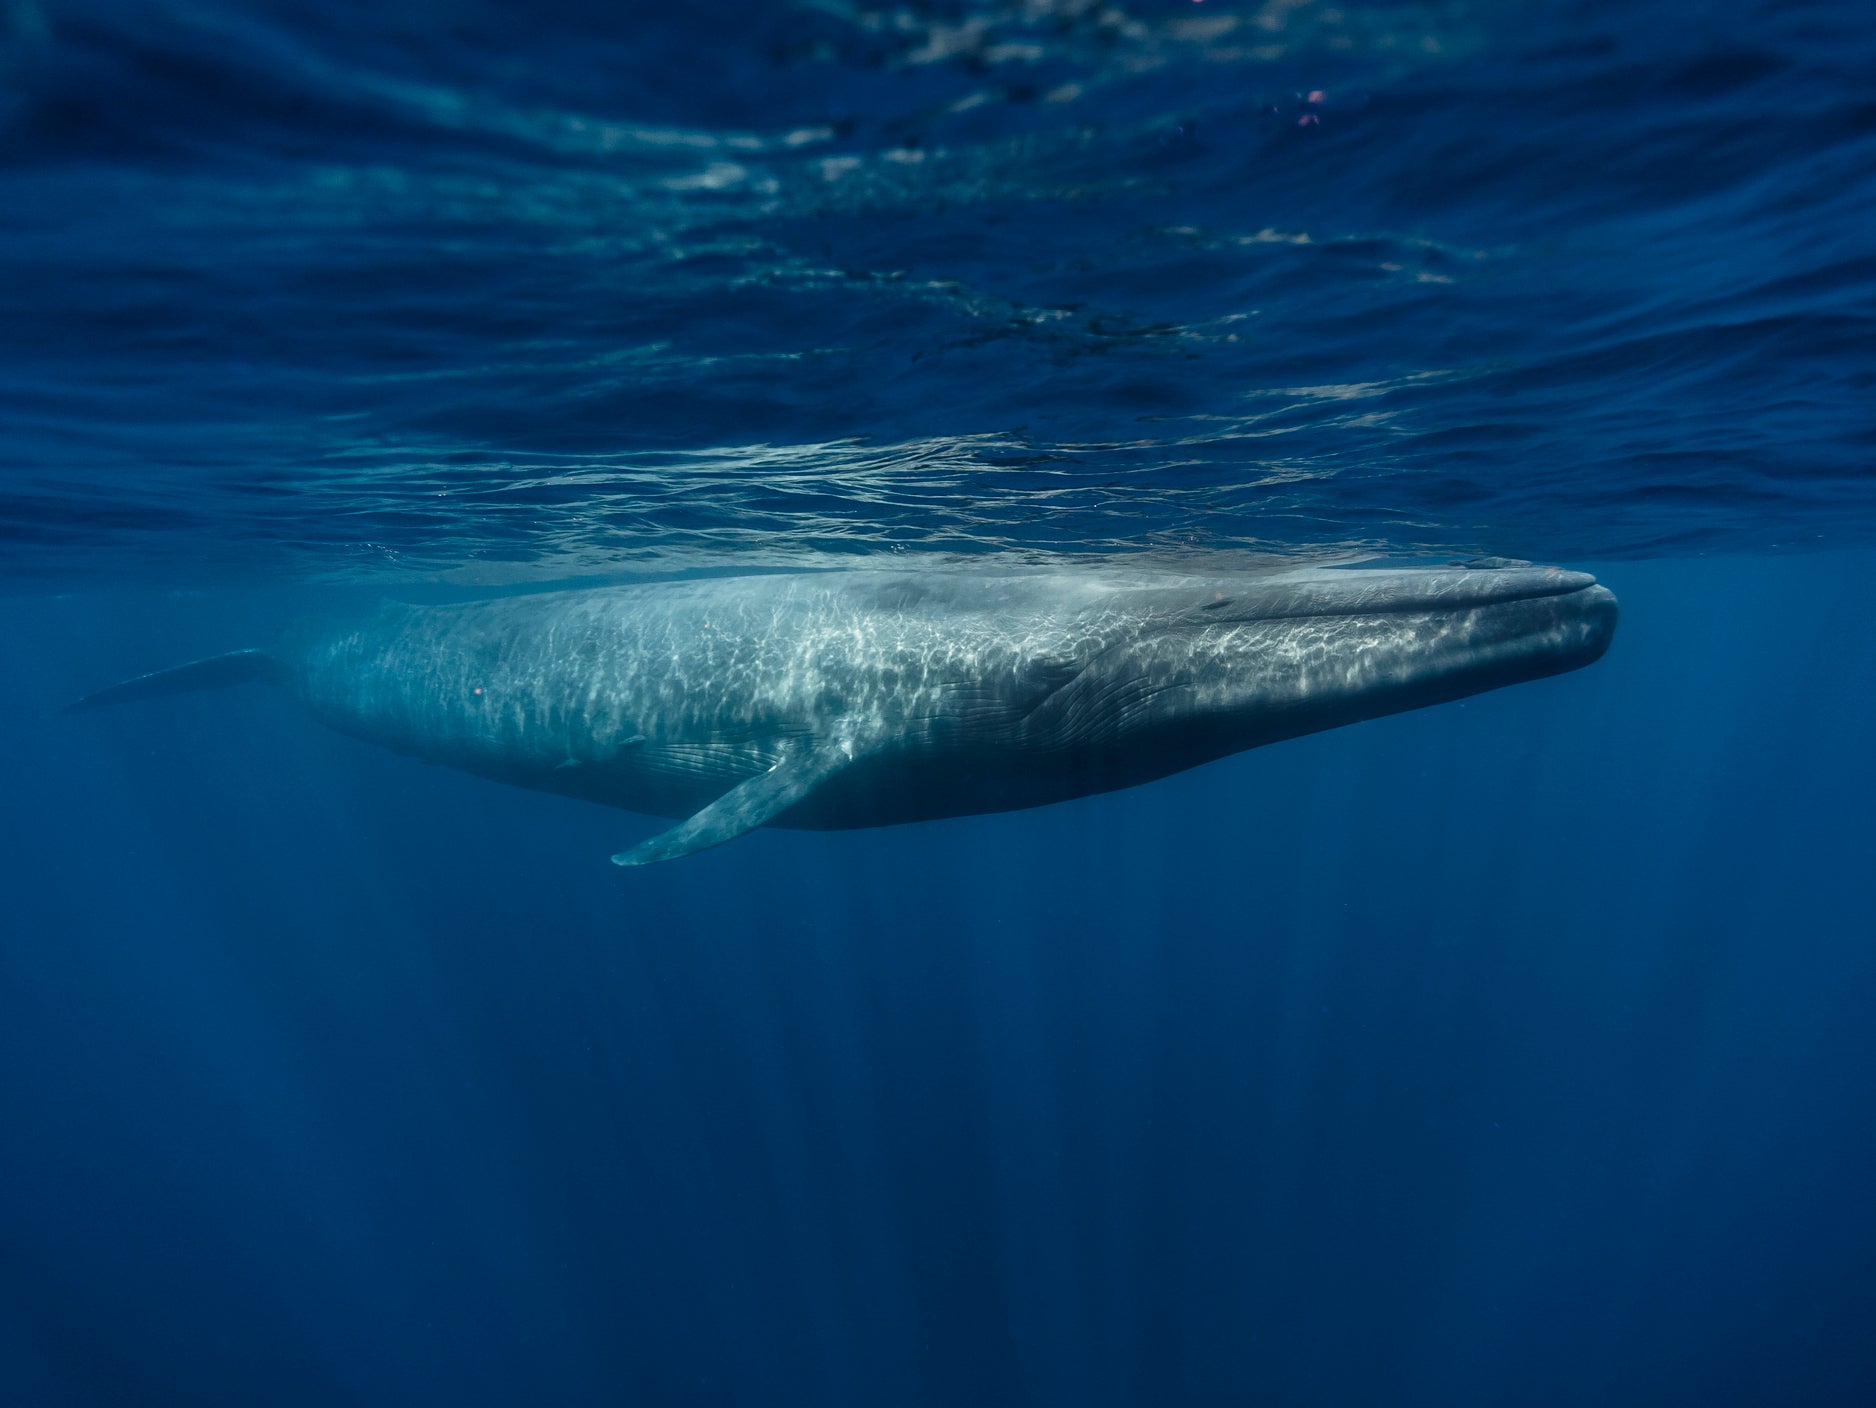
x=1516, y=1051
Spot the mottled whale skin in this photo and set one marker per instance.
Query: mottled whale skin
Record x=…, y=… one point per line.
x=867, y=698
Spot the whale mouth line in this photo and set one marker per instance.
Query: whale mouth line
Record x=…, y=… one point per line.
x=1559, y=588
x=1439, y=607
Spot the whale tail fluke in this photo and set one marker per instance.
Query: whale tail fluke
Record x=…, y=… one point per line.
x=216, y=672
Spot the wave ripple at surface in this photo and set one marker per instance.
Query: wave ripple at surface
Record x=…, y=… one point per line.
x=373, y=291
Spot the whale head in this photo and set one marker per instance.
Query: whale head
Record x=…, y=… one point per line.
x=1292, y=653
x=1334, y=646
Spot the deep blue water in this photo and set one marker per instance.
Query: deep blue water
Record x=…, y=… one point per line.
x=1513, y=1052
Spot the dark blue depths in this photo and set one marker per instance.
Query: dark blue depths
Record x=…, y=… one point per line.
x=1511, y=1052
x=1515, y=1052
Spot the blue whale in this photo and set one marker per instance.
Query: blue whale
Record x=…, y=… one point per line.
x=867, y=698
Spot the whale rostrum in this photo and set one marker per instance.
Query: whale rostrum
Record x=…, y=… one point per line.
x=867, y=697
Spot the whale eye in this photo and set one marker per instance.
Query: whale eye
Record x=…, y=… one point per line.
x=1214, y=605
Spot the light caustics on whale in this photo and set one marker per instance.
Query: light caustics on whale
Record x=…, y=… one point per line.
x=866, y=698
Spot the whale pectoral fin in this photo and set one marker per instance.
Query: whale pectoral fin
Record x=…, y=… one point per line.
x=745, y=806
